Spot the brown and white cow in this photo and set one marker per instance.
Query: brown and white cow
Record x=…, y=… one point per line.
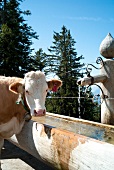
x=17, y=96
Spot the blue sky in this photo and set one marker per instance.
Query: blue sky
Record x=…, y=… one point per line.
x=88, y=20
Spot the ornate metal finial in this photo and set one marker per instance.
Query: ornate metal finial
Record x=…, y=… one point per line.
x=107, y=47
x=98, y=61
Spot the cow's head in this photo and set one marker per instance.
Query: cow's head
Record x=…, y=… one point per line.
x=35, y=89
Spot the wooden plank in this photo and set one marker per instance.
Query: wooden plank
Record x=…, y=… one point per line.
x=63, y=149
x=87, y=128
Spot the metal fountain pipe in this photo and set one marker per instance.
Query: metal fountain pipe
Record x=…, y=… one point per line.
x=106, y=80
x=90, y=80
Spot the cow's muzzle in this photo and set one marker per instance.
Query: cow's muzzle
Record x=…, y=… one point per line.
x=40, y=112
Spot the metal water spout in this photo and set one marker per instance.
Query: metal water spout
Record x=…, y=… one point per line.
x=91, y=80
x=106, y=80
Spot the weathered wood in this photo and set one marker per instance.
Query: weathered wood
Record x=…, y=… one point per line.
x=107, y=106
x=67, y=150
x=87, y=128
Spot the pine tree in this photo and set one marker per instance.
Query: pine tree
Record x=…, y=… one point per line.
x=39, y=60
x=66, y=64
x=15, y=40
x=90, y=108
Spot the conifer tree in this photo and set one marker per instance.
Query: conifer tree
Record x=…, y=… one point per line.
x=39, y=60
x=15, y=39
x=64, y=61
x=66, y=64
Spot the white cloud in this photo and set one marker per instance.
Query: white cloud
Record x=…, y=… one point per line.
x=86, y=18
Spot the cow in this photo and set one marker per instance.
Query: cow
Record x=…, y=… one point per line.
x=21, y=98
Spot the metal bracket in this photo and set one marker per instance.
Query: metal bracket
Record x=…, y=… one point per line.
x=103, y=96
x=98, y=61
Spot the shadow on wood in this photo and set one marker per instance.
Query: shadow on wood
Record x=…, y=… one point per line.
x=12, y=153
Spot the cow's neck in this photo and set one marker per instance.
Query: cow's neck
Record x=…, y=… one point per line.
x=21, y=99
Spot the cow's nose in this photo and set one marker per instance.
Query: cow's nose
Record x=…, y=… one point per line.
x=40, y=112
x=44, y=112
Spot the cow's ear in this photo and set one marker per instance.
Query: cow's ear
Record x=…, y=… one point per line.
x=16, y=87
x=54, y=84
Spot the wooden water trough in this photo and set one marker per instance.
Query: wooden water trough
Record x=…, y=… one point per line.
x=68, y=143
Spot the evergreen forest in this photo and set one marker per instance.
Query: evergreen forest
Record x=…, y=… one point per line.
x=62, y=61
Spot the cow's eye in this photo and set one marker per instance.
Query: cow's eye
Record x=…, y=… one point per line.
x=27, y=91
x=47, y=90
x=24, y=87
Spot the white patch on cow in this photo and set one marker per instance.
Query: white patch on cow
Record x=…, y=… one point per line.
x=35, y=92
x=10, y=128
